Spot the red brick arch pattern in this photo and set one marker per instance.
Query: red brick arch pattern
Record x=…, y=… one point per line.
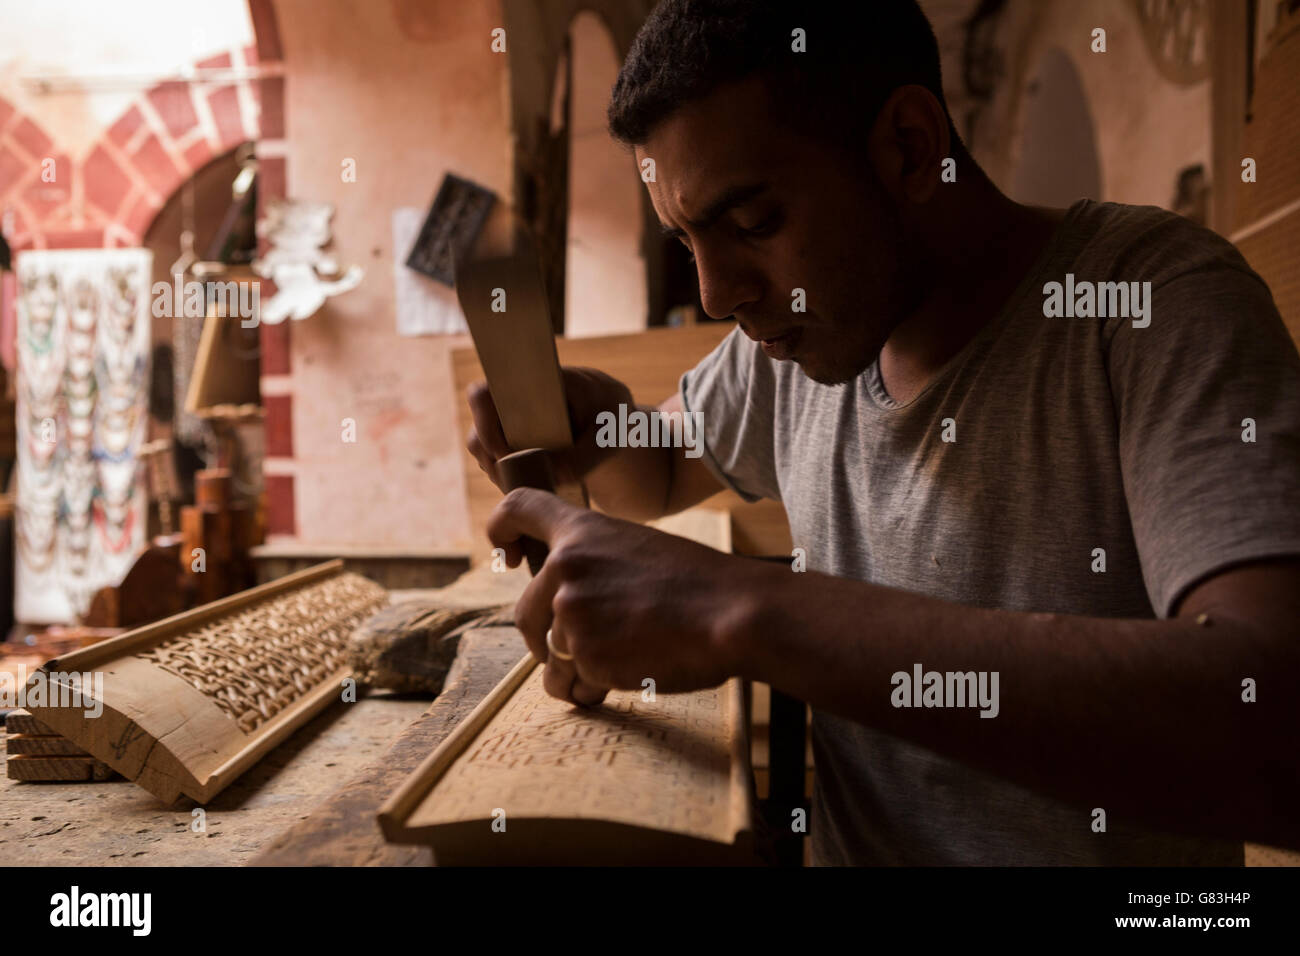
x=109, y=196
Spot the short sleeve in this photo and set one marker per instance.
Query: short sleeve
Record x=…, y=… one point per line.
x=1208, y=404
x=734, y=391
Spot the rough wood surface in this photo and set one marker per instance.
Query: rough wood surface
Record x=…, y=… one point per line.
x=343, y=830
x=22, y=722
x=55, y=768
x=51, y=745
x=116, y=823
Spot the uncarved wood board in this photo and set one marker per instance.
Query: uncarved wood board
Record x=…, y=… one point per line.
x=50, y=769
x=22, y=722
x=47, y=745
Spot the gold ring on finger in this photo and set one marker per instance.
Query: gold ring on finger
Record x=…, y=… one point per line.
x=550, y=646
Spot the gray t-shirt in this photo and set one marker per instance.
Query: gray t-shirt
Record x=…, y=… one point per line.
x=1072, y=434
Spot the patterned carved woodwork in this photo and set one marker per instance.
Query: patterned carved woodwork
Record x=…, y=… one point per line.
x=631, y=781
x=459, y=211
x=191, y=702
x=257, y=662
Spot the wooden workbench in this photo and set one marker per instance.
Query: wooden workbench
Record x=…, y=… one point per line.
x=117, y=823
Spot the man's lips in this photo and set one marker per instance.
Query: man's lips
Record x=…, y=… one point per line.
x=781, y=347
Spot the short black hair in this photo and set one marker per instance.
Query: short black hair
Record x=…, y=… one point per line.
x=856, y=54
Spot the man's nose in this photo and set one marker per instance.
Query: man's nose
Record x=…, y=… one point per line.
x=727, y=284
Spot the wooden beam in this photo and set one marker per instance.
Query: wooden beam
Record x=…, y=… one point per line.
x=47, y=769
x=1229, y=69
x=22, y=722
x=48, y=745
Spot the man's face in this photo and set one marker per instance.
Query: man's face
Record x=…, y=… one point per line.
x=767, y=210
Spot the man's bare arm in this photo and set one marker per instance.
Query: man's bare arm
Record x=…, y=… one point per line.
x=1185, y=724
x=1146, y=719
x=642, y=484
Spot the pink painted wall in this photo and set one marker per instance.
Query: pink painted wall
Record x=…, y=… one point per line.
x=410, y=91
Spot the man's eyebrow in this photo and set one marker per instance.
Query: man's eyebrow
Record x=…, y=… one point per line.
x=730, y=199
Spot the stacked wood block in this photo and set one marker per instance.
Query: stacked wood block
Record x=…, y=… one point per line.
x=36, y=753
x=224, y=530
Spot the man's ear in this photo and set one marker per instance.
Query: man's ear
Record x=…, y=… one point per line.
x=909, y=142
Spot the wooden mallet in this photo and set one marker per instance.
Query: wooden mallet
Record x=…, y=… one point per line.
x=505, y=307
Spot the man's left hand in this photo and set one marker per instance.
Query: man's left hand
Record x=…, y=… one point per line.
x=627, y=601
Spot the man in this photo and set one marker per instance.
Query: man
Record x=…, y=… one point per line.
x=1066, y=504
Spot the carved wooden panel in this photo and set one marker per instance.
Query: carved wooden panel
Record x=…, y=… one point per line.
x=187, y=704
x=528, y=778
x=459, y=211
x=258, y=661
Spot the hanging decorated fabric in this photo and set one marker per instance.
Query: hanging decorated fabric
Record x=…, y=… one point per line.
x=82, y=397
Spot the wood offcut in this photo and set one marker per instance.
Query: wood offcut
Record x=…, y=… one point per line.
x=35, y=753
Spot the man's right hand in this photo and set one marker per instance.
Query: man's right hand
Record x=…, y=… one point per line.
x=587, y=391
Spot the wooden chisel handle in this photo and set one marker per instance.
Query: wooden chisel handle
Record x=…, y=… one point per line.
x=530, y=468
x=535, y=468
